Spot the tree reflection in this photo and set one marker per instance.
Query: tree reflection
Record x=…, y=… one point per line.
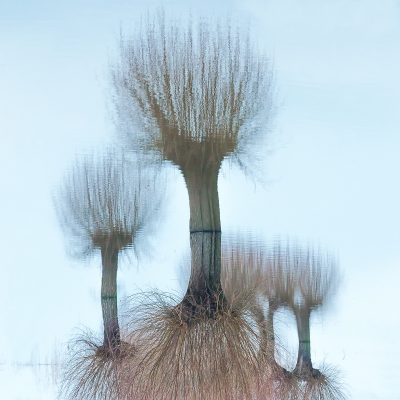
x=316, y=277
x=195, y=96
x=302, y=279
x=104, y=202
x=201, y=95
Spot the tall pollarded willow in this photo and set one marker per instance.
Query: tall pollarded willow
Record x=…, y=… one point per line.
x=195, y=95
x=105, y=202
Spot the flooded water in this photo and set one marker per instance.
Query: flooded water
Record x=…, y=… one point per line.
x=270, y=129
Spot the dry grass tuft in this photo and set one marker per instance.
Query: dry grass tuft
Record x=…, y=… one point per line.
x=323, y=384
x=203, y=358
x=90, y=373
x=326, y=384
x=284, y=386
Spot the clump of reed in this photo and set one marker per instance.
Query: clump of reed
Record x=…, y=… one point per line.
x=196, y=358
x=88, y=373
x=327, y=384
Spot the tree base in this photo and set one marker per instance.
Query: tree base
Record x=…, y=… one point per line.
x=306, y=373
x=207, y=306
x=112, y=351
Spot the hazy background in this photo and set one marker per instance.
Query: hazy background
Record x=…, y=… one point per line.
x=330, y=173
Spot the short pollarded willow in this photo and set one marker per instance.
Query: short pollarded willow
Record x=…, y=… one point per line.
x=307, y=277
x=317, y=279
x=245, y=261
x=297, y=277
x=302, y=279
x=105, y=202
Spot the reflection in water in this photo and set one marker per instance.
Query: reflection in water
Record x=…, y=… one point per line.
x=105, y=203
x=301, y=279
x=201, y=94
x=194, y=96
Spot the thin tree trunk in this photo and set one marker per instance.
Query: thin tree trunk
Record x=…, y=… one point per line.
x=304, y=368
x=267, y=340
x=270, y=331
x=109, y=258
x=267, y=343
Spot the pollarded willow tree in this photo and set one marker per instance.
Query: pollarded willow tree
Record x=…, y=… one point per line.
x=300, y=278
x=195, y=95
x=247, y=272
x=317, y=278
x=106, y=202
x=279, y=282
x=202, y=93
x=305, y=279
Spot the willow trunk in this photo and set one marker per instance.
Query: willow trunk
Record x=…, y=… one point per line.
x=205, y=235
x=304, y=365
x=109, y=258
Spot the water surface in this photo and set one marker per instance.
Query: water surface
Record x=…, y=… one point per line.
x=328, y=172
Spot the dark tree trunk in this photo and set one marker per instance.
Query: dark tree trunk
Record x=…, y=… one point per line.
x=304, y=368
x=109, y=258
x=202, y=185
x=267, y=343
x=205, y=290
x=205, y=276
x=270, y=331
x=267, y=327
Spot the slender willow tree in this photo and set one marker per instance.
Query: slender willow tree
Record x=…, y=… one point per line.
x=306, y=278
x=104, y=203
x=201, y=93
x=250, y=268
x=317, y=278
x=301, y=279
x=279, y=283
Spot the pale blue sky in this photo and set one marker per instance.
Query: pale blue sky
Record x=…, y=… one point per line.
x=332, y=176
